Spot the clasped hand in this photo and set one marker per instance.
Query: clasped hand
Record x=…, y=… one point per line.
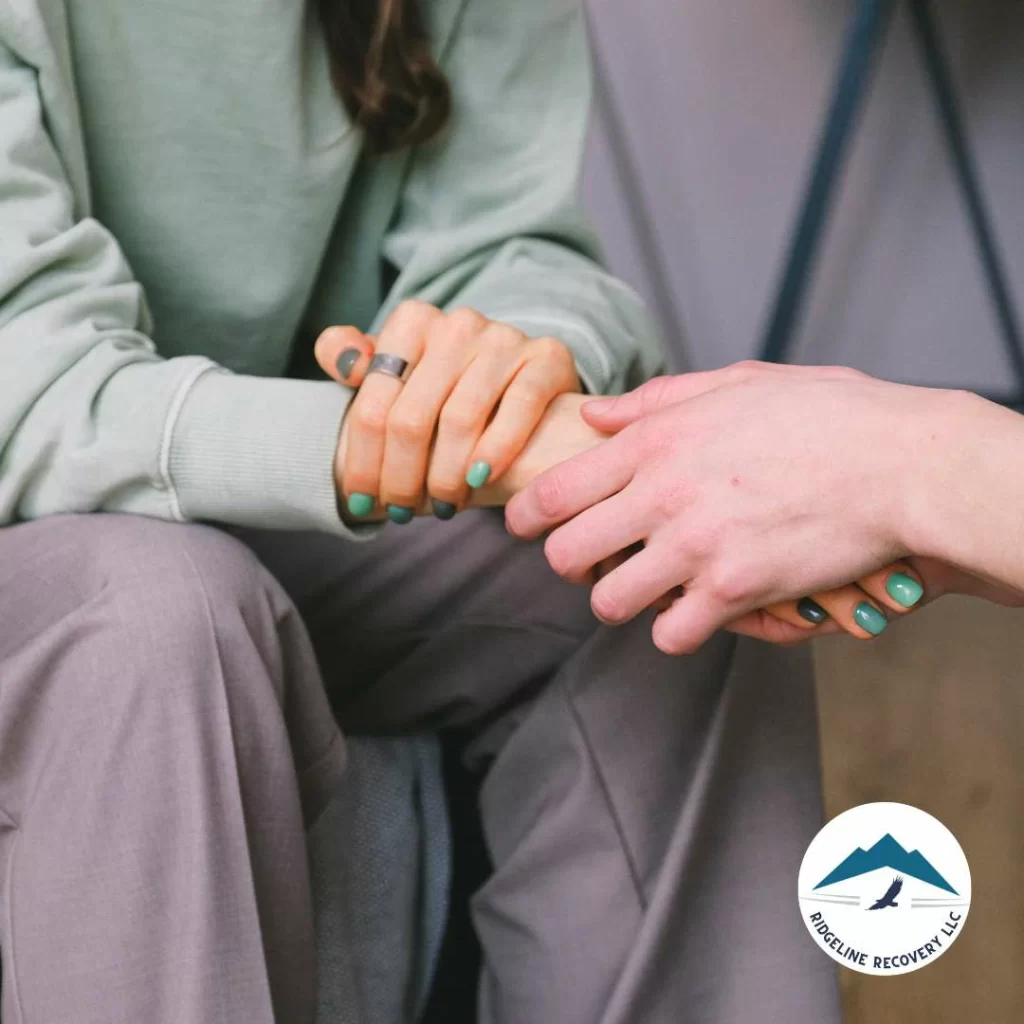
x=672, y=497
x=747, y=488
x=445, y=436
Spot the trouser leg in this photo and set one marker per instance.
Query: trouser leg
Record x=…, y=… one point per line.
x=646, y=815
x=162, y=730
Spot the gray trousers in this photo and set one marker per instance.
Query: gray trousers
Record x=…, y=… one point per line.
x=165, y=737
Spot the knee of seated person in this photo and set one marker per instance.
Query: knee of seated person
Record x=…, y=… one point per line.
x=175, y=583
x=135, y=552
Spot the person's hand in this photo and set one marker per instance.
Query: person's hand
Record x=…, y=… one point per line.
x=892, y=589
x=472, y=397
x=748, y=487
x=863, y=609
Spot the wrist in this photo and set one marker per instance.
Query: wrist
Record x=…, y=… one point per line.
x=962, y=450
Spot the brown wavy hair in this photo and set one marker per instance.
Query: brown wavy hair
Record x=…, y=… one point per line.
x=384, y=71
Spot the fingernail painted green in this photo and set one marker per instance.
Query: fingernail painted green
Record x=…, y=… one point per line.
x=479, y=473
x=360, y=505
x=444, y=509
x=811, y=611
x=347, y=360
x=904, y=589
x=400, y=515
x=870, y=618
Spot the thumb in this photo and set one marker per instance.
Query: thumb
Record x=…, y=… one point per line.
x=344, y=353
x=612, y=414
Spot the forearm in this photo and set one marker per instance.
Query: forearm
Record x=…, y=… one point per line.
x=965, y=488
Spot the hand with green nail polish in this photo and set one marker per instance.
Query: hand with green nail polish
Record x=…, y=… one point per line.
x=443, y=433
x=561, y=434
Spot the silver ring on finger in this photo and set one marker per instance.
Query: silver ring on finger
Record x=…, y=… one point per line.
x=389, y=365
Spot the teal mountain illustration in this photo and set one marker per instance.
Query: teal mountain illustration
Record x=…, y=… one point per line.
x=886, y=853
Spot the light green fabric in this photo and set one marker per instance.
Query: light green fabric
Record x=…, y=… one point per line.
x=184, y=206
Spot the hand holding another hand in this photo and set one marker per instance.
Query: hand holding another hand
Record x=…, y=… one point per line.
x=749, y=487
x=471, y=395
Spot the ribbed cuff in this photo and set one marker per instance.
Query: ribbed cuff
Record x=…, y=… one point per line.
x=257, y=451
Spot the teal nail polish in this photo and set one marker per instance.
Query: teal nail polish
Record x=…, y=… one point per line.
x=400, y=515
x=479, y=473
x=904, y=589
x=347, y=360
x=360, y=505
x=444, y=509
x=811, y=611
x=870, y=618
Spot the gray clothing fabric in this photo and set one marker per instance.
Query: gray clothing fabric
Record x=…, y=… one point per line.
x=161, y=715
x=380, y=859
x=163, y=737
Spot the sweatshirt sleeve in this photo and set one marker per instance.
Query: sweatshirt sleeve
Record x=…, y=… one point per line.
x=489, y=217
x=91, y=418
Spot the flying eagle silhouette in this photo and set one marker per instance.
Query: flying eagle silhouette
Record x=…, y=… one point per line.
x=889, y=899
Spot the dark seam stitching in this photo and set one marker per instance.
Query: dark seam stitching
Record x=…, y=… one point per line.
x=620, y=831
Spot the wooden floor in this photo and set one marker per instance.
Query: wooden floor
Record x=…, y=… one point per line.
x=932, y=714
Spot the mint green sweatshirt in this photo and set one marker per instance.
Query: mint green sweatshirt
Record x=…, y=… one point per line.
x=184, y=206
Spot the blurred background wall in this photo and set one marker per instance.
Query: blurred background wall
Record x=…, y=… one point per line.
x=708, y=112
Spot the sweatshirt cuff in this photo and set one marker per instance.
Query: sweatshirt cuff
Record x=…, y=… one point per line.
x=255, y=451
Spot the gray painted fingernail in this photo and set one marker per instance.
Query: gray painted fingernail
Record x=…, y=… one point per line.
x=347, y=360
x=811, y=611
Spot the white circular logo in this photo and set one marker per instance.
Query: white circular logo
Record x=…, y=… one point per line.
x=885, y=888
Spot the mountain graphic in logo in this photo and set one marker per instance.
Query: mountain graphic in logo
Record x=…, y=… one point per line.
x=886, y=853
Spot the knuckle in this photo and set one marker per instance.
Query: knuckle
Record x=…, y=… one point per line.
x=564, y=363
x=412, y=311
x=669, y=500
x=656, y=393
x=466, y=320
x=409, y=425
x=530, y=393
x=370, y=417
x=549, y=349
x=654, y=388
x=730, y=584
x=848, y=373
x=504, y=336
x=700, y=540
x=461, y=419
x=549, y=493
x=750, y=367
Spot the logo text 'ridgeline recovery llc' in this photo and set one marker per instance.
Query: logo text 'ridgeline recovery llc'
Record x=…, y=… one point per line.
x=884, y=888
